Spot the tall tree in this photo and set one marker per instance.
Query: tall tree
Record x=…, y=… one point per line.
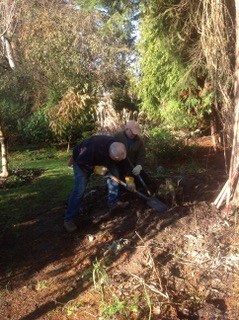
x=234, y=165
x=120, y=19
x=8, y=18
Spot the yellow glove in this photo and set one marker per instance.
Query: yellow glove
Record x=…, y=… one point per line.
x=100, y=170
x=130, y=183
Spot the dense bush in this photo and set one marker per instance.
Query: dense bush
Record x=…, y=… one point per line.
x=178, y=116
x=11, y=112
x=163, y=145
x=36, y=128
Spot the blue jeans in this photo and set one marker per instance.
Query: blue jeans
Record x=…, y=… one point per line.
x=113, y=192
x=77, y=194
x=76, y=197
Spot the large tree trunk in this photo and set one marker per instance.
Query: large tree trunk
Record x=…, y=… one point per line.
x=235, y=147
x=5, y=171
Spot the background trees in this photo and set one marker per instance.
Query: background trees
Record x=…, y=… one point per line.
x=180, y=74
x=187, y=63
x=59, y=48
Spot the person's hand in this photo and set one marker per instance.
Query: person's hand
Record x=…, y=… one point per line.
x=100, y=170
x=130, y=183
x=136, y=170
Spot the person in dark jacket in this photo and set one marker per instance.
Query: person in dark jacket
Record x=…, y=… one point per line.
x=130, y=137
x=99, y=150
x=136, y=153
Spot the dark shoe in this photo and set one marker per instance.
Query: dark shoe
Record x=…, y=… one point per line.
x=70, y=226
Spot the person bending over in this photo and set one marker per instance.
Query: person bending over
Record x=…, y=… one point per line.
x=98, y=150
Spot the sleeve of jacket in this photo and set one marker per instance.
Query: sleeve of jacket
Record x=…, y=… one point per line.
x=84, y=159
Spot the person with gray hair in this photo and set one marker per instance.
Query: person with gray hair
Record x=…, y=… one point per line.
x=131, y=137
x=117, y=151
x=134, y=144
x=97, y=151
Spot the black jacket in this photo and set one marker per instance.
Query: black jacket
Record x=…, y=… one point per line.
x=94, y=151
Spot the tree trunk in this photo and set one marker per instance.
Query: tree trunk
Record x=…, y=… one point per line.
x=216, y=143
x=235, y=147
x=5, y=171
x=8, y=10
x=7, y=48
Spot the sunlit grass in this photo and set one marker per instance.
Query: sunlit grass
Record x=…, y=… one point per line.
x=49, y=190
x=45, y=192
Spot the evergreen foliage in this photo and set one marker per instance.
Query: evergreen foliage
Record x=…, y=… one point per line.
x=35, y=129
x=162, y=69
x=176, y=80
x=88, y=47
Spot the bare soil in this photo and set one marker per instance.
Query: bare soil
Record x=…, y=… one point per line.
x=135, y=263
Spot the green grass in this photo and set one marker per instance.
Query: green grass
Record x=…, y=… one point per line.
x=47, y=191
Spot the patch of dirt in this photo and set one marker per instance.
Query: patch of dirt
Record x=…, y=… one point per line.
x=135, y=263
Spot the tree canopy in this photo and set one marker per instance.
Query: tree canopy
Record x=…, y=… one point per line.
x=180, y=73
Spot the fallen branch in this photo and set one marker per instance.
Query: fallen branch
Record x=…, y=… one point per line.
x=150, y=286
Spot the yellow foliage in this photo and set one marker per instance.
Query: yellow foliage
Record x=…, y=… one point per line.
x=72, y=109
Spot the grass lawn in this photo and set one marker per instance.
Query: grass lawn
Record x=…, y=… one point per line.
x=44, y=192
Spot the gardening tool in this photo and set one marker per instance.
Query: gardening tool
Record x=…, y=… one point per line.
x=141, y=179
x=152, y=201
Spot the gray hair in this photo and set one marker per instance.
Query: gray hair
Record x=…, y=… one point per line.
x=117, y=150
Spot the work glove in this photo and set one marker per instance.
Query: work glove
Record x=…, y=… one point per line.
x=100, y=170
x=136, y=170
x=130, y=183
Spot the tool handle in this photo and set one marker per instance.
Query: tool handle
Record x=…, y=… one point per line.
x=126, y=187
x=118, y=180
x=144, y=184
x=140, y=179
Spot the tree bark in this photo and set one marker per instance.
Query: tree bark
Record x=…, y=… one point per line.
x=7, y=26
x=7, y=48
x=5, y=171
x=215, y=136
x=235, y=146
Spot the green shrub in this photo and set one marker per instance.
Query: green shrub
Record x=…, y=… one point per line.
x=11, y=111
x=177, y=116
x=163, y=145
x=36, y=128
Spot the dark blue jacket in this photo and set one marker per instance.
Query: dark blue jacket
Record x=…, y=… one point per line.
x=94, y=151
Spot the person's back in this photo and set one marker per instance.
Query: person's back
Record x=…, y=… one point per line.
x=93, y=151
